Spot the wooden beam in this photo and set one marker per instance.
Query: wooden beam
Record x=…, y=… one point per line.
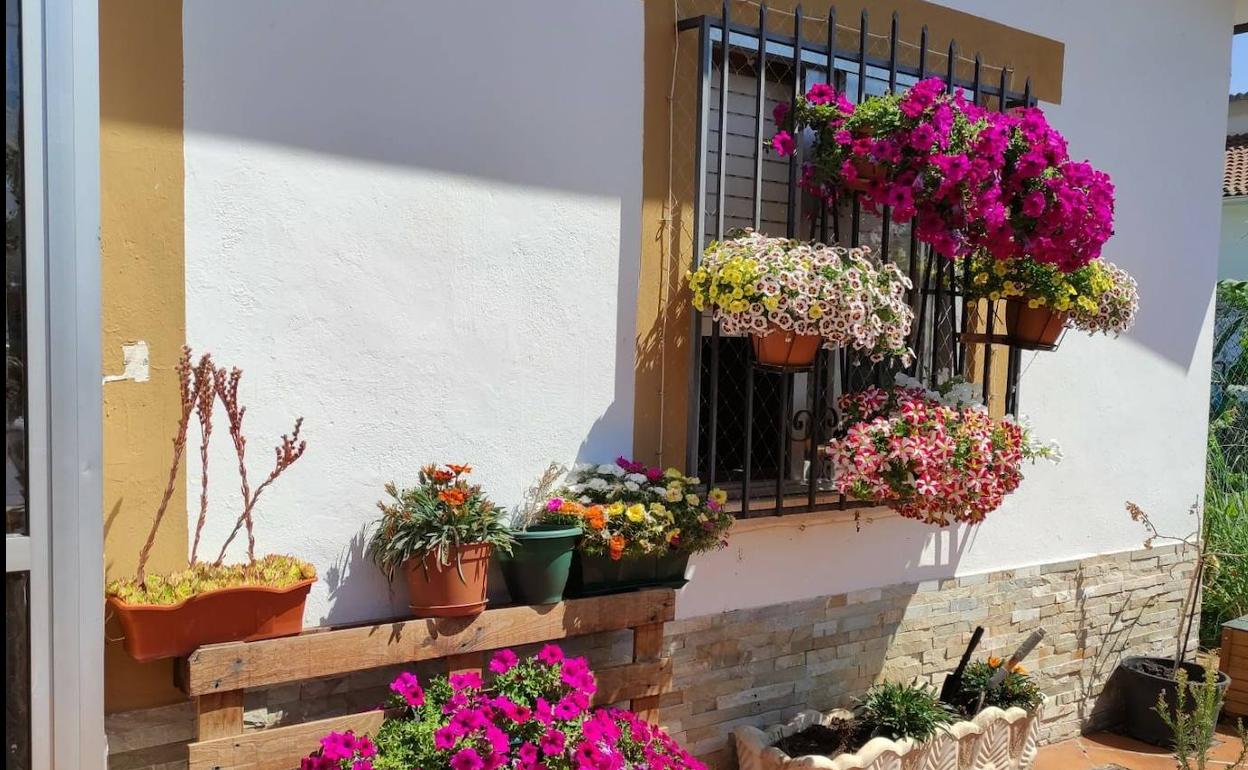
x=219, y=715
x=647, y=647
x=277, y=748
x=281, y=748
x=240, y=665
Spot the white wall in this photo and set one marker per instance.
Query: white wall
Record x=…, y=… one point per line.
x=1233, y=258
x=416, y=225
x=1237, y=117
x=1130, y=413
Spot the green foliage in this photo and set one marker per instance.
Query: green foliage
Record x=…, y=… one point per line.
x=272, y=571
x=1018, y=689
x=1194, y=727
x=443, y=511
x=896, y=710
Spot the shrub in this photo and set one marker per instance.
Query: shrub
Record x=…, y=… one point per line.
x=1016, y=690
x=1193, y=728
x=442, y=511
x=896, y=710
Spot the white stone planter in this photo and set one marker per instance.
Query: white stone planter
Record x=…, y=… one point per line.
x=993, y=740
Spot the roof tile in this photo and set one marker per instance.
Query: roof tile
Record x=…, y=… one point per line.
x=1235, y=172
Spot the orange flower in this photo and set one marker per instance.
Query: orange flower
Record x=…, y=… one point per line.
x=454, y=497
x=459, y=469
x=441, y=477
x=617, y=547
x=994, y=662
x=596, y=517
x=1018, y=669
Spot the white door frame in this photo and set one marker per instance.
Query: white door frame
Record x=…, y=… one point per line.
x=64, y=551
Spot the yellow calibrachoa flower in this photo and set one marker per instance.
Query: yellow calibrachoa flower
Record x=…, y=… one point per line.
x=635, y=512
x=659, y=511
x=692, y=499
x=672, y=473
x=719, y=496
x=815, y=311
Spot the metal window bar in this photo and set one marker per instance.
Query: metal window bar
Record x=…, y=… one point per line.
x=746, y=420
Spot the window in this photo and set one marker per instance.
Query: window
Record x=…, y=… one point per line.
x=758, y=432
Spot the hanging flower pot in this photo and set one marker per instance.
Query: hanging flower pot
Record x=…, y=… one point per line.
x=778, y=347
x=1037, y=326
x=792, y=297
x=451, y=590
x=866, y=173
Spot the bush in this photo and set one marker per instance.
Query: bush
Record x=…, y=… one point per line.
x=1016, y=690
x=896, y=710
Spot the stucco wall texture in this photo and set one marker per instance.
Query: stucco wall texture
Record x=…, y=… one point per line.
x=428, y=248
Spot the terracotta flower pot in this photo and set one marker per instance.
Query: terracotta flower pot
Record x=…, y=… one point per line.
x=452, y=590
x=778, y=347
x=246, y=613
x=867, y=171
x=1039, y=326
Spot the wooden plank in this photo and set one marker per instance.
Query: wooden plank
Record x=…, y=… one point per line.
x=219, y=714
x=632, y=681
x=240, y=665
x=277, y=748
x=647, y=647
x=469, y=661
x=281, y=748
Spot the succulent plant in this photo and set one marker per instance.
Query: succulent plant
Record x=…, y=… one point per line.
x=273, y=571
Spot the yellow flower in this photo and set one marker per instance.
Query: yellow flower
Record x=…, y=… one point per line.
x=692, y=499
x=674, y=493
x=994, y=296
x=815, y=311
x=658, y=510
x=615, y=509
x=672, y=473
x=635, y=512
x=999, y=267
x=771, y=303
x=673, y=535
x=981, y=279
x=719, y=496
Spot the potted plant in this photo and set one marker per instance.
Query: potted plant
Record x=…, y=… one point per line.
x=973, y=178
x=641, y=525
x=530, y=713
x=536, y=570
x=931, y=455
x=791, y=297
x=440, y=534
x=1145, y=681
x=1041, y=300
x=895, y=725
x=170, y=615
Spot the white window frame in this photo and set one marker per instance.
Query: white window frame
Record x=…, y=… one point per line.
x=64, y=551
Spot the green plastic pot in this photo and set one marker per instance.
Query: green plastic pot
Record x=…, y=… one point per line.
x=596, y=575
x=536, y=572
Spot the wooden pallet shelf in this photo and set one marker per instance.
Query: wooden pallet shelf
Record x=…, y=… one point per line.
x=217, y=676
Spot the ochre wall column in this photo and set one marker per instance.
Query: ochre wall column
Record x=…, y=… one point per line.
x=141, y=199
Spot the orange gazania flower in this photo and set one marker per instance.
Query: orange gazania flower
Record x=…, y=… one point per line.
x=994, y=662
x=617, y=547
x=459, y=469
x=454, y=497
x=441, y=476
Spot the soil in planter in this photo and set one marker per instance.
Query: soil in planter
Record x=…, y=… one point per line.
x=841, y=737
x=1154, y=668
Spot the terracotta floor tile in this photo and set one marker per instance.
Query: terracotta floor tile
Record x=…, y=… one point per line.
x=1106, y=751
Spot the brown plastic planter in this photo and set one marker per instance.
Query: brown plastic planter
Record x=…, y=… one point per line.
x=246, y=613
x=1040, y=326
x=780, y=348
x=438, y=591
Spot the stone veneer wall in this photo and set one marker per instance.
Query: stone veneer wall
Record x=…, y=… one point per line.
x=761, y=665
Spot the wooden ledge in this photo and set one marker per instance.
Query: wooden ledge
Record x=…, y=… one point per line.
x=327, y=652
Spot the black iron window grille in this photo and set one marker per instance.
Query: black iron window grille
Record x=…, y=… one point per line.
x=757, y=431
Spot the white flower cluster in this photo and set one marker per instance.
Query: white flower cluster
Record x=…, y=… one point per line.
x=1115, y=308
x=756, y=283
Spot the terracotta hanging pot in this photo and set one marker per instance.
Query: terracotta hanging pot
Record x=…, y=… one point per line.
x=242, y=614
x=777, y=347
x=449, y=590
x=867, y=172
x=1039, y=326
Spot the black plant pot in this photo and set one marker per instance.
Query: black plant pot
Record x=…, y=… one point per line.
x=595, y=575
x=1141, y=680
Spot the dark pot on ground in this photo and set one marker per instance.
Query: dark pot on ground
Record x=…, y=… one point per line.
x=1141, y=680
x=537, y=570
x=595, y=575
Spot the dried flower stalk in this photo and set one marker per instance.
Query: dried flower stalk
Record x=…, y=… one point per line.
x=205, y=387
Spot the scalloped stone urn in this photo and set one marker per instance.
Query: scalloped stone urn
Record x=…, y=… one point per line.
x=993, y=740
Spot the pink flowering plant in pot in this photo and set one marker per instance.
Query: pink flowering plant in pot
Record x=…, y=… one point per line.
x=931, y=455
x=531, y=713
x=974, y=179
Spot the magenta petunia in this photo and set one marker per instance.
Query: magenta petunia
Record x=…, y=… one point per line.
x=783, y=143
x=503, y=660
